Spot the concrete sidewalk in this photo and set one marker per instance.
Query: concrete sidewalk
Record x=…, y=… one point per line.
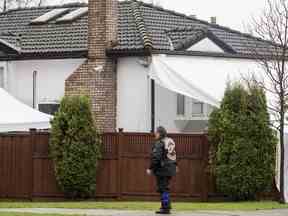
x=102, y=212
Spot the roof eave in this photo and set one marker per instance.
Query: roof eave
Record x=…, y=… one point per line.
x=141, y=52
x=46, y=55
x=213, y=54
x=114, y=53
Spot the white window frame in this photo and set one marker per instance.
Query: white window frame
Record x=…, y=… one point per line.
x=203, y=105
x=188, y=109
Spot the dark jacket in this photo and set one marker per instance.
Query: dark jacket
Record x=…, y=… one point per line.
x=160, y=164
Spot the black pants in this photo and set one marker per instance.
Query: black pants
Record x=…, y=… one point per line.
x=163, y=183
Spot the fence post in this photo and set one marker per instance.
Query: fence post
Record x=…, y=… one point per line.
x=120, y=145
x=205, y=182
x=32, y=146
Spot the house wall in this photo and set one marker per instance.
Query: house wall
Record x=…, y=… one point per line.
x=133, y=90
x=206, y=45
x=133, y=101
x=51, y=76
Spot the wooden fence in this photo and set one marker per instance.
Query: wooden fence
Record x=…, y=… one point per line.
x=26, y=171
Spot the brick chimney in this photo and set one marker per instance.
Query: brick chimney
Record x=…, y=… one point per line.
x=213, y=20
x=97, y=76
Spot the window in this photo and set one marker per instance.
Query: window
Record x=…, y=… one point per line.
x=2, y=78
x=73, y=15
x=197, y=108
x=49, y=107
x=180, y=104
x=50, y=15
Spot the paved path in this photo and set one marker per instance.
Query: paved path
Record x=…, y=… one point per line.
x=102, y=212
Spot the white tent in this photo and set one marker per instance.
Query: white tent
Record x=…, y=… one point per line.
x=16, y=116
x=205, y=80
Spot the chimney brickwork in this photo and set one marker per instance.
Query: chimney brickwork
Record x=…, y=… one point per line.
x=97, y=76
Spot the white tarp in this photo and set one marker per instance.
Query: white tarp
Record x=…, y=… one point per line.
x=16, y=116
x=205, y=79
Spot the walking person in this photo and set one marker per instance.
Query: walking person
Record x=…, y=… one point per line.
x=163, y=167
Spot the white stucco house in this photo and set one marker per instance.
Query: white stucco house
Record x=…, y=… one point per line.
x=41, y=47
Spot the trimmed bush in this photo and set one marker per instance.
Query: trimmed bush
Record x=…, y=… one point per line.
x=244, y=145
x=75, y=147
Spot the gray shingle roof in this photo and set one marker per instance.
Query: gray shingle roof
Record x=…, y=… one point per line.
x=50, y=37
x=140, y=26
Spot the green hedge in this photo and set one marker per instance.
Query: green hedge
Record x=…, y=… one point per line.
x=244, y=145
x=75, y=147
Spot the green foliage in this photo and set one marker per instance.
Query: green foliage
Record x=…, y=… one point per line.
x=75, y=147
x=243, y=151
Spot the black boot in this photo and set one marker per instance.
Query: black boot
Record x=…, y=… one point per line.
x=169, y=205
x=163, y=211
x=165, y=204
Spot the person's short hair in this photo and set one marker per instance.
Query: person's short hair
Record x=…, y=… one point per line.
x=162, y=131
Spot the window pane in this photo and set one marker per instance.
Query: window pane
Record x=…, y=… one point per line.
x=180, y=104
x=2, y=78
x=198, y=108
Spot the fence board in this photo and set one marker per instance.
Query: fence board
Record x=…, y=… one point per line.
x=15, y=166
x=27, y=171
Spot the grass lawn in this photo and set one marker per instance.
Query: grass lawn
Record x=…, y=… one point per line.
x=179, y=206
x=27, y=214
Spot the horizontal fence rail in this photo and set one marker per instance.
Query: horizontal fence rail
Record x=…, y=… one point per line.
x=27, y=171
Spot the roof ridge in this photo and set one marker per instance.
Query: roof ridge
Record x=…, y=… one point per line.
x=222, y=44
x=187, y=28
x=225, y=28
x=140, y=24
x=75, y=4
